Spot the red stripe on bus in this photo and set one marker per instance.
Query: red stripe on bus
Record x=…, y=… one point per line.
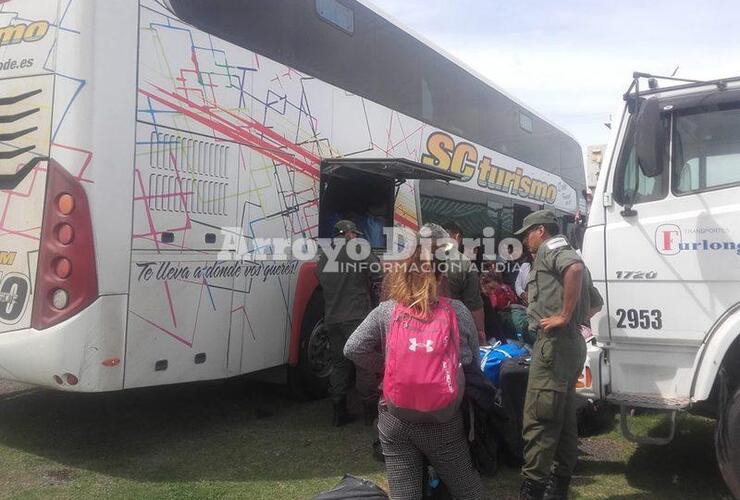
x=306, y=285
x=239, y=134
x=405, y=221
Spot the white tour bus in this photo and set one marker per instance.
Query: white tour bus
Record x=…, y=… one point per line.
x=146, y=145
x=663, y=246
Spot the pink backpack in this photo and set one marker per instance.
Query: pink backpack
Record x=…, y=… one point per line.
x=423, y=380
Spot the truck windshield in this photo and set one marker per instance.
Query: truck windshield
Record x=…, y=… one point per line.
x=707, y=150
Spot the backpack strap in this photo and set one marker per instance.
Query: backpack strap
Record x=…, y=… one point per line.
x=452, y=316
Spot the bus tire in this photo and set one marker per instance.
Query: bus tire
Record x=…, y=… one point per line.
x=309, y=379
x=727, y=443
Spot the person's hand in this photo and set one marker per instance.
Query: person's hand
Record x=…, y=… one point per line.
x=552, y=322
x=482, y=340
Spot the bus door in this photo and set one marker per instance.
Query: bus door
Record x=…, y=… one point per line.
x=520, y=212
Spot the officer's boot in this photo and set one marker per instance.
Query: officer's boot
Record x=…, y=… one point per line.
x=341, y=415
x=531, y=490
x=557, y=488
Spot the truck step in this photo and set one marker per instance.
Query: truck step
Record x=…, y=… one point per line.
x=654, y=401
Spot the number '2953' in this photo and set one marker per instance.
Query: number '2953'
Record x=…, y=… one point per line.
x=643, y=319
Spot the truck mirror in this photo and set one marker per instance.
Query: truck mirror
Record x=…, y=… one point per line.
x=650, y=138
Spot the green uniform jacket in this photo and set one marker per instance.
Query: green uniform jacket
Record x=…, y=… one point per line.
x=545, y=284
x=560, y=353
x=463, y=282
x=346, y=290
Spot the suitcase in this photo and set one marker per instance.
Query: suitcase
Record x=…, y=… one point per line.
x=513, y=379
x=482, y=411
x=493, y=356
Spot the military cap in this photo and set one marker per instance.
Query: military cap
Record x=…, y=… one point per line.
x=345, y=226
x=537, y=218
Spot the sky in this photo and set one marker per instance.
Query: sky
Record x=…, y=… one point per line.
x=571, y=60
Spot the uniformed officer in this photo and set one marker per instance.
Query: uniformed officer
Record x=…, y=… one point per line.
x=347, y=287
x=461, y=279
x=561, y=297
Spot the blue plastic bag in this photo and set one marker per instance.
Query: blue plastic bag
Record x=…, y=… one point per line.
x=491, y=358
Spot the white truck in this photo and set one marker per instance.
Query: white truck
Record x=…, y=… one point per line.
x=663, y=245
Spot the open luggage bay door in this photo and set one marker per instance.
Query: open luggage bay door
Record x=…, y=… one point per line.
x=390, y=168
x=364, y=190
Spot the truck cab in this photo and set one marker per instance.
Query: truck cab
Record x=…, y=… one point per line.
x=663, y=246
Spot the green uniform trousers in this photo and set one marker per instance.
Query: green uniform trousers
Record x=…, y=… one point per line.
x=550, y=427
x=342, y=372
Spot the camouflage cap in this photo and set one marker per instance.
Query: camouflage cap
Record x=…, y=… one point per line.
x=537, y=218
x=345, y=226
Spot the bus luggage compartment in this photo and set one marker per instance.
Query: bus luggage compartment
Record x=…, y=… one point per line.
x=364, y=190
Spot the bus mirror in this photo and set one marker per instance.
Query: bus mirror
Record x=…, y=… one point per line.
x=650, y=138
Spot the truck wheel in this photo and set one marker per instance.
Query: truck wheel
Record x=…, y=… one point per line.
x=310, y=378
x=727, y=443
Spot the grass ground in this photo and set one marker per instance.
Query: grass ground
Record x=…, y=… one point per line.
x=246, y=440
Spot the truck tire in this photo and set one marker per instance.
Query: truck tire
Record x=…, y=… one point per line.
x=309, y=380
x=727, y=443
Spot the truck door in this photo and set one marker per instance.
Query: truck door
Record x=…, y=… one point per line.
x=671, y=247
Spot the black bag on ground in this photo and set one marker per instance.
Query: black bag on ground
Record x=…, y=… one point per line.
x=482, y=440
x=351, y=487
x=513, y=391
x=482, y=411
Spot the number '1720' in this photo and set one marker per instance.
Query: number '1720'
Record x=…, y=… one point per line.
x=636, y=275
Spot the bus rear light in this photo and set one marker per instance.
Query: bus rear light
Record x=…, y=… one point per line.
x=59, y=299
x=71, y=379
x=66, y=204
x=62, y=268
x=67, y=278
x=65, y=234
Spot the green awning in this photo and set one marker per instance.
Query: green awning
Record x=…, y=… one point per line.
x=470, y=217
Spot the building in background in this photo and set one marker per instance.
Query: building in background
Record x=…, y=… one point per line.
x=594, y=157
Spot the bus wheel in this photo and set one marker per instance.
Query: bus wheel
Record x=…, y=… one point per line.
x=727, y=443
x=310, y=378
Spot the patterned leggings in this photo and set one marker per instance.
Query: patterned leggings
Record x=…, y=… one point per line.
x=406, y=444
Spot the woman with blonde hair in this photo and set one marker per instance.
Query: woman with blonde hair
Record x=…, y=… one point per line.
x=416, y=419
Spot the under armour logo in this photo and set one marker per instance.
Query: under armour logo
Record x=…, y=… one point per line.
x=428, y=345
